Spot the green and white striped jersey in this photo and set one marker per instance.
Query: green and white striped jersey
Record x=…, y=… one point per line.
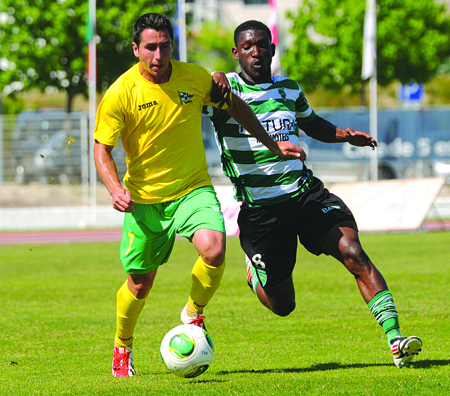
x=259, y=176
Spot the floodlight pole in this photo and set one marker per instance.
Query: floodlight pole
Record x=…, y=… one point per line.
x=369, y=69
x=181, y=22
x=373, y=114
x=92, y=111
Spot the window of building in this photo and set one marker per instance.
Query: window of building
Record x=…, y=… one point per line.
x=246, y=2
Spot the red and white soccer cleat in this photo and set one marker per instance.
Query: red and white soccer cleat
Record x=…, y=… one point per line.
x=404, y=349
x=196, y=320
x=122, y=365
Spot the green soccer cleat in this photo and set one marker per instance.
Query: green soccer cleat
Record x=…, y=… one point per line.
x=404, y=349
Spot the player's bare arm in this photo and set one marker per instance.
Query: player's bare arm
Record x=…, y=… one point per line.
x=245, y=116
x=221, y=89
x=320, y=129
x=106, y=168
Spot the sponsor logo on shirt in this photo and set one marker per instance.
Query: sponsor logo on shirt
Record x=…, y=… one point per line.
x=279, y=125
x=326, y=210
x=147, y=105
x=185, y=97
x=280, y=137
x=276, y=125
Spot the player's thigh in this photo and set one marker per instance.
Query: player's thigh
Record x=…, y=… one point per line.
x=318, y=215
x=200, y=209
x=148, y=237
x=269, y=241
x=341, y=241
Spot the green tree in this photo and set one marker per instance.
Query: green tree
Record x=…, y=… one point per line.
x=413, y=40
x=42, y=42
x=211, y=47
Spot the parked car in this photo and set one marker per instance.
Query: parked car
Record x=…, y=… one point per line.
x=35, y=128
x=59, y=160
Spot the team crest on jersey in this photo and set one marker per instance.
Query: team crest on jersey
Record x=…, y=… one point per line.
x=262, y=275
x=185, y=97
x=282, y=93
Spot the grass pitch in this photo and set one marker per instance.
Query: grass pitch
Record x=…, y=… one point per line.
x=57, y=324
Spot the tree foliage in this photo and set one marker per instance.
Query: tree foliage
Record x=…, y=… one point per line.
x=413, y=40
x=42, y=42
x=211, y=47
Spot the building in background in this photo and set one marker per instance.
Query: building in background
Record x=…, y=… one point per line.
x=233, y=12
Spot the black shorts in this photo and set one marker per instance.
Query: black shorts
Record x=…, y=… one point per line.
x=268, y=234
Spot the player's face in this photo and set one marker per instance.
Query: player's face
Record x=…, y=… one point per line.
x=254, y=52
x=154, y=52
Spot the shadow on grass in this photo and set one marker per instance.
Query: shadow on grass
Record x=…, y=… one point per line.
x=337, y=366
x=430, y=363
x=191, y=380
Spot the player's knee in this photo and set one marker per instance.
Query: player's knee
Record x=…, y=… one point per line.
x=142, y=289
x=214, y=255
x=211, y=246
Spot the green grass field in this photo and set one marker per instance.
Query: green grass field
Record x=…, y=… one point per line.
x=58, y=320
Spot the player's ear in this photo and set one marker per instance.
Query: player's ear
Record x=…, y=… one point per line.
x=272, y=49
x=135, y=50
x=234, y=51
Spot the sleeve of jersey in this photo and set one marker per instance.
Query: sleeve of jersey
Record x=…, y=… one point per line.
x=303, y=110
x=110, y=119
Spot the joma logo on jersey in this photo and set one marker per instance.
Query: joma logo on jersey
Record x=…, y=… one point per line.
x=326, y=210
x=147, y=105
x=185, y=97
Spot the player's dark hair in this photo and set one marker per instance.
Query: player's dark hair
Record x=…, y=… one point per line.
x=153, y=21
x=250, y=25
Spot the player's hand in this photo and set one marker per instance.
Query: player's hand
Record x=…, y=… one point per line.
x=360, y=139
x=291, y=150
x=122, y=201
x=221, y=88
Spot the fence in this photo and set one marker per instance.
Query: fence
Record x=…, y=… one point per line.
x=53, y=147
x=46, y=156
x=411, y=143
x=47, y=147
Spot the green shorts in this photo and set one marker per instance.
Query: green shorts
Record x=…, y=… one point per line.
x=149, y=232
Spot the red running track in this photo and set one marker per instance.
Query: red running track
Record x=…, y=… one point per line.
x=69, y=236
x=73, y=236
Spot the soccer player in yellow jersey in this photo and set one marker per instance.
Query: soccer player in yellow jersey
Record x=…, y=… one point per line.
x=156, y=108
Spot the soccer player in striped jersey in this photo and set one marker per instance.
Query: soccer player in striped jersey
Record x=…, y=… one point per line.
x=282, y=200
x=156, y=108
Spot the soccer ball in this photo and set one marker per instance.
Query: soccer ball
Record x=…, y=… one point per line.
x=187, y=351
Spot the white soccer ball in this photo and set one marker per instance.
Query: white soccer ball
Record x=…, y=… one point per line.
x=187, y=351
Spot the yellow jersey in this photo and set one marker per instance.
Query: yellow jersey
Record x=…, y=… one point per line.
x=160, y=126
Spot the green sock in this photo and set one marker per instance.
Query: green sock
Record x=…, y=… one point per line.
x=383, y=309
x=391, y=334
x=255, y=279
